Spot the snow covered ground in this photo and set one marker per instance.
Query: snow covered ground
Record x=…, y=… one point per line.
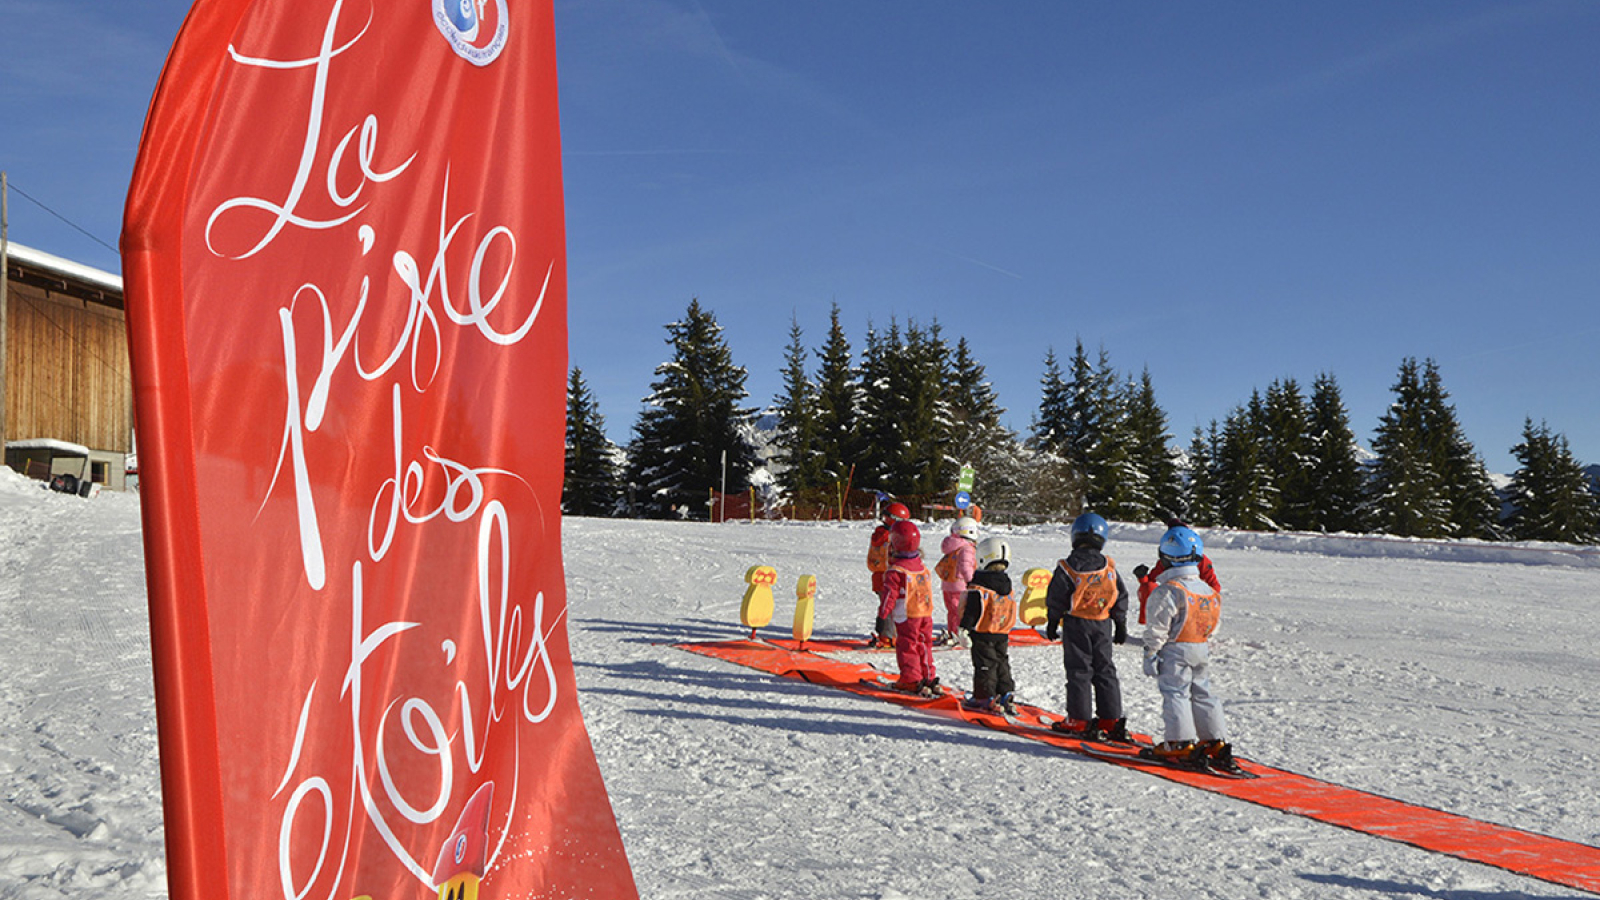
x=1460, y=677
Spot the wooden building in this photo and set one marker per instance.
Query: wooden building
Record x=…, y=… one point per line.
x=68, y=382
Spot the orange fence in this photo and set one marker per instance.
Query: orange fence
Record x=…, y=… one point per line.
x=818, y=506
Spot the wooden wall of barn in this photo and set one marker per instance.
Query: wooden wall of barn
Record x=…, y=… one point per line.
x=67, y=371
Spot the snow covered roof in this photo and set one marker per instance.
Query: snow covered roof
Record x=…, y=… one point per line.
x=64, y=448
x=74, y=272
x=63, y=266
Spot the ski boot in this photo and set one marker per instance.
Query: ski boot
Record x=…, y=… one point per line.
x=931, y=688
x=1082, y=729
x=1179, y=754
x=1219, y=755
x=1007, y=705
x=1114, y=730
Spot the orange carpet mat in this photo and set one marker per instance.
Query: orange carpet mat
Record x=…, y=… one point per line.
x=1538, y=856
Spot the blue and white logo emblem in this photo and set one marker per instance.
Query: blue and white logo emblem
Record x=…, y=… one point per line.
x=461, y=848
x=476, y=29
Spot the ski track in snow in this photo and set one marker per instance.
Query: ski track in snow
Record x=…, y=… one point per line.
x=1454, y=676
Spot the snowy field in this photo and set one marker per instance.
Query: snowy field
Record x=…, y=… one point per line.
x=1460, y=677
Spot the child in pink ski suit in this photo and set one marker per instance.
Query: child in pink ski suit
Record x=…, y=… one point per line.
x=908, y=600
x=956, y=568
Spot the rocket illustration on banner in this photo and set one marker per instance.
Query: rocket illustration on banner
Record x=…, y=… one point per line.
x=465, y=853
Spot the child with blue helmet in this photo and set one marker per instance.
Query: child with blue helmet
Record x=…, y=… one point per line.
x=1087, y=605
x=1181, y=616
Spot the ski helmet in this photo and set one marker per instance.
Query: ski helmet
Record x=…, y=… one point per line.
x=993, y=550
x=896, y=512
x=966, y=527
x=905, y=538
x=1180, y=546
x=1089, y=528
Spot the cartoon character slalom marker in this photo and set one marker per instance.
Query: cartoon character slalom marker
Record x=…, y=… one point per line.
x=465, y=853
x=756, y=611
x=1031, y=611
x=804, y=608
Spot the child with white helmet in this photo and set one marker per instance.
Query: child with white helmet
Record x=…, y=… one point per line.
x=955, y=569
x=988, y=614
x=1182, y=615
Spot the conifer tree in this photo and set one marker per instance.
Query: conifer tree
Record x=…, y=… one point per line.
x=1247, y=489
x=692, y=419
x=838, y=404
x=1049, y=426
x=1552, y=496
x=592, y=484
x=882, y=440
x=799, y=432
x=922, y=387
x=1126, y=485
x=1160, y=488
x=979, y=438
x=1287, y=454
x=1336, y=471
x=905, y=421
x=1094, y=437
x=1406, y=494
x=1204, y=501
x=1053, y=486
x=1474, y=507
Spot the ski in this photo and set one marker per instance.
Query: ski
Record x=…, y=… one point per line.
x=1139, y=759
x=1134, y=739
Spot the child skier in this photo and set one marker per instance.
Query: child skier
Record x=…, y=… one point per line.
x=988, y=614
x=1149, y=577
x=1087, y=605
x=955, y=569
x=908, y=600
x=1184, y=612
x=878, y=563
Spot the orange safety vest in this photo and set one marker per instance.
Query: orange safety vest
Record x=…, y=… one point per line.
x=878, y=553
x=1200, y=622
x=919, y=593
x=1093, y=593
x=999, y=614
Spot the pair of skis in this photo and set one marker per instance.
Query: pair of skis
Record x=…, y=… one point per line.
x=1142, y=753
x=1138, y=751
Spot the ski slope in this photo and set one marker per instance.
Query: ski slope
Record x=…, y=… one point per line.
x=1452, y=676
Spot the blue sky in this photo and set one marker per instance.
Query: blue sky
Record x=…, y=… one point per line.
x=1227, y=194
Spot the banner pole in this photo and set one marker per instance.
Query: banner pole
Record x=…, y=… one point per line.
x=5, y=281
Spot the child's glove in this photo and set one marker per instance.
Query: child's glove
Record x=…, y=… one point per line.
x=1120, y=636
x=1141, y=571
x=1152, y=665
x=1052, y=631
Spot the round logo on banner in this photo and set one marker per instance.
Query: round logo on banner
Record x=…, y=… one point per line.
x=963, y=500
x=475, y=29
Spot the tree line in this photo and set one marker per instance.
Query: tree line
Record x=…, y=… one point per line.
x=902, y=415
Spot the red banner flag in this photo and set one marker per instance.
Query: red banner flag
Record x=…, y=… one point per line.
x=344, y=260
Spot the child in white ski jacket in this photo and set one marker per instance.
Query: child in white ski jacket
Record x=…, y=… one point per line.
x=1181, y=616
